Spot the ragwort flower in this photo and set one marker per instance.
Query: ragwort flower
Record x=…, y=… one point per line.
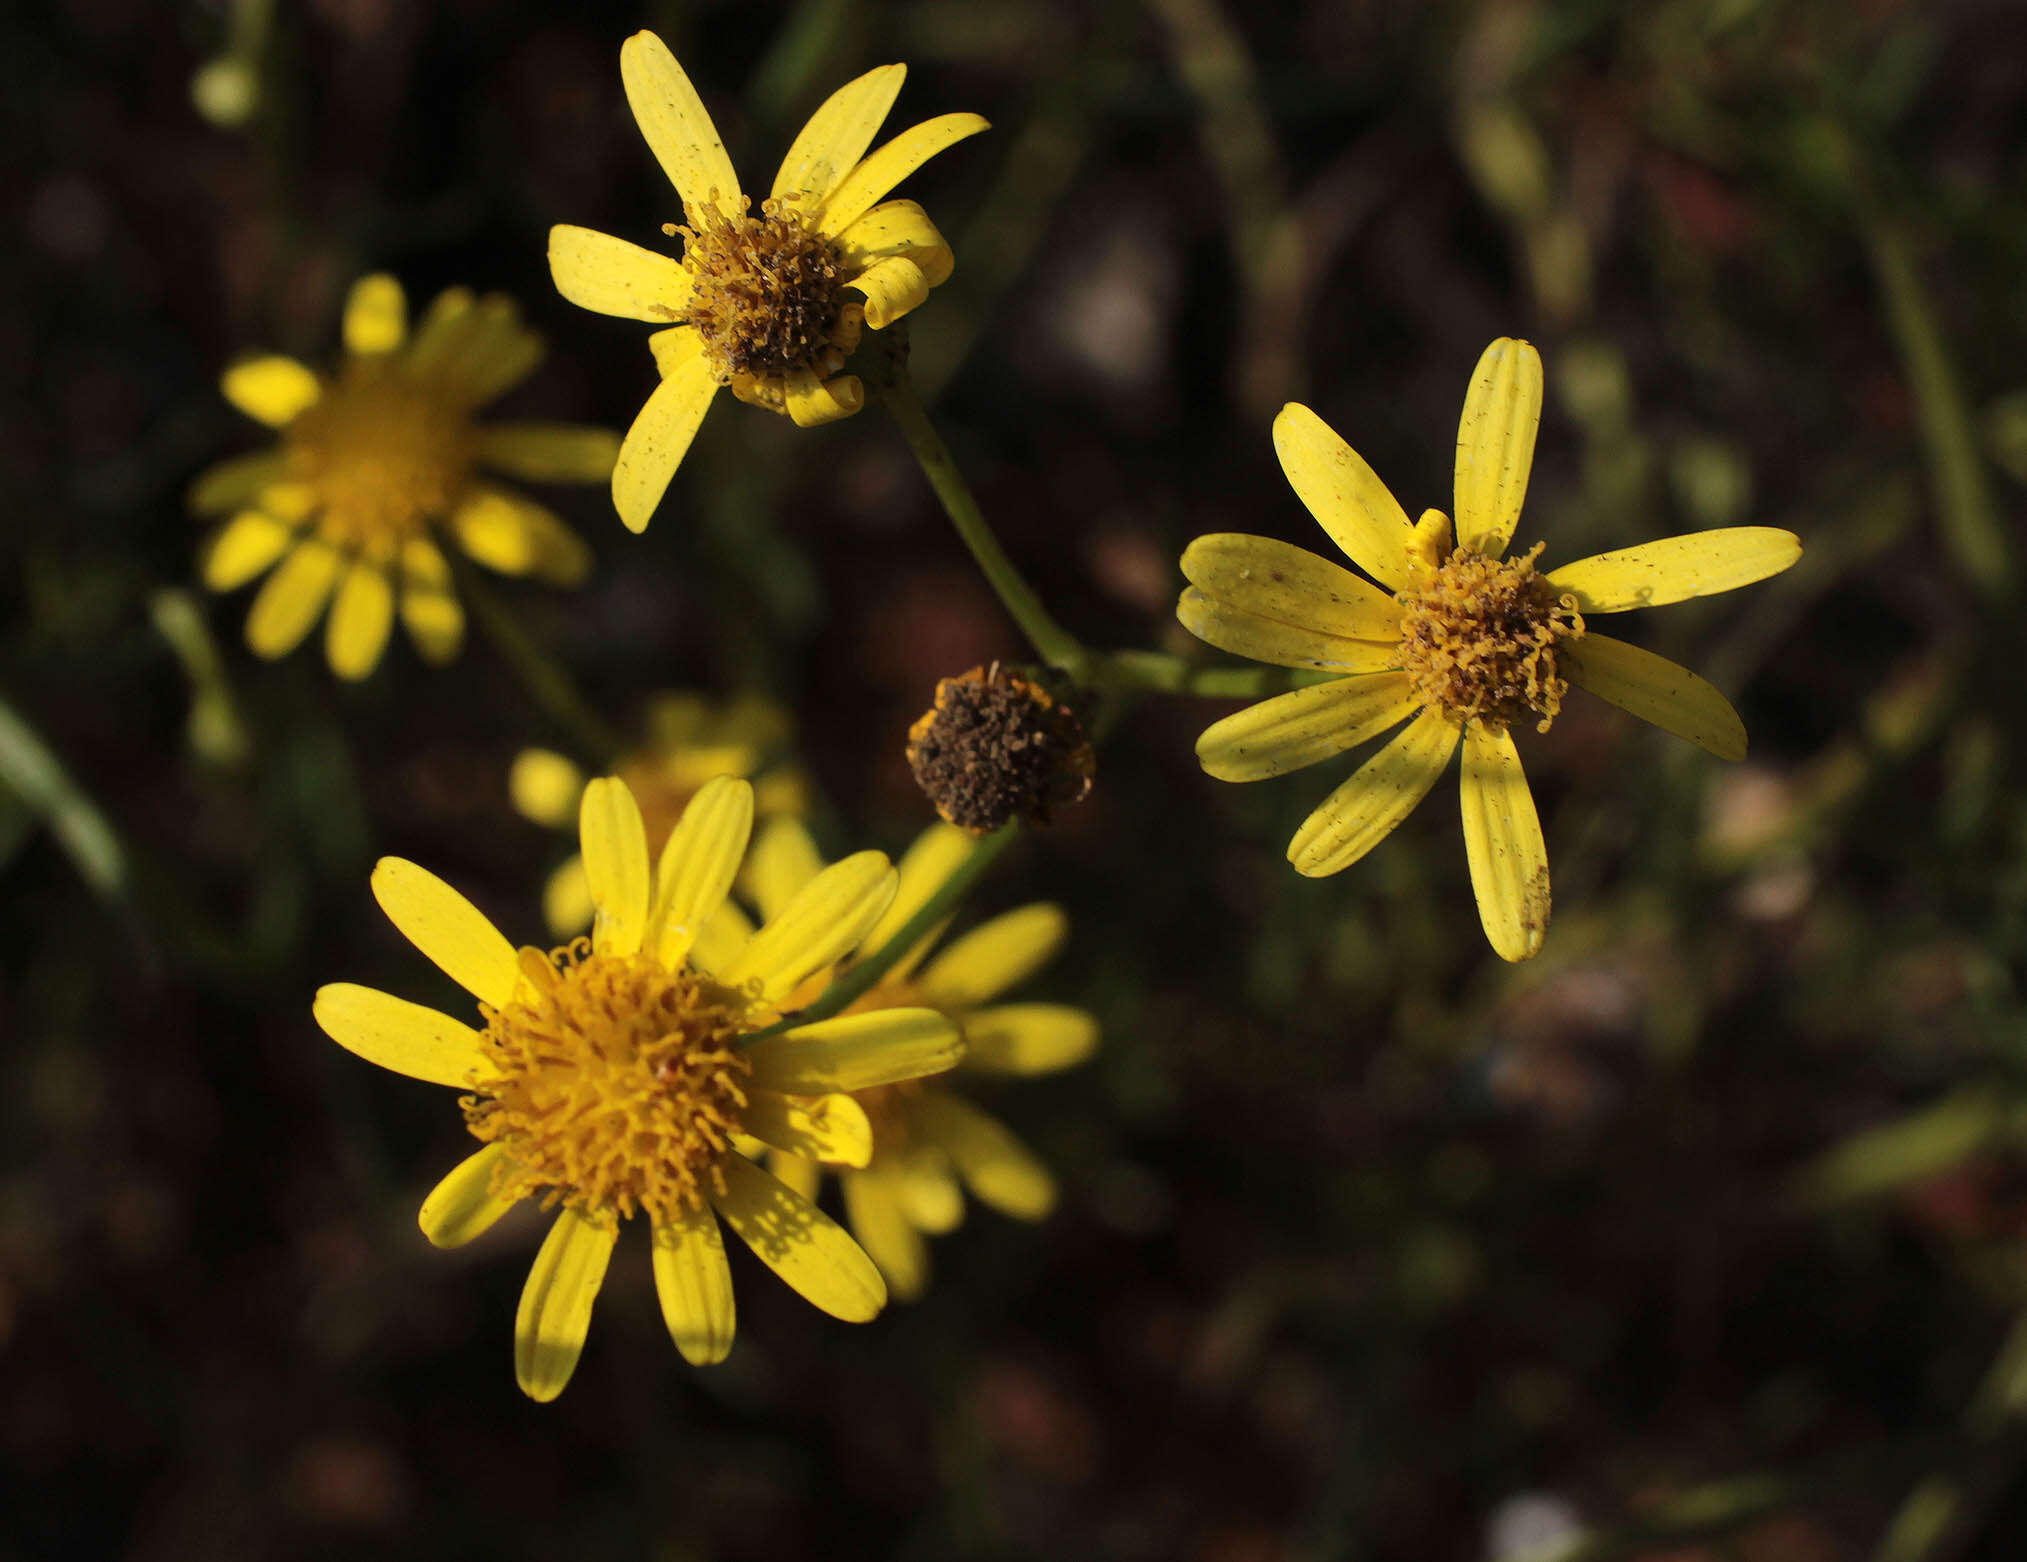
x=376, y=458
x=769, y=304
x=927, y=1139
x=689, y=740
x=1463, y=639
x=611, y=1076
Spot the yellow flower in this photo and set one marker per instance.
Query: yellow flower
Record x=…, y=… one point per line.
x=689, y=741
x=1463, y=639
x=373, y=459
x=759, y=302
x=610, y=1076
x=927, y=1139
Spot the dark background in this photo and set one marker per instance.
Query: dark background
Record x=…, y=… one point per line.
x=1370, y=1246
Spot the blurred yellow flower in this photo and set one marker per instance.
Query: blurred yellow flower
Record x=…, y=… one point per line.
x=689, y=740
x=759, y=302
x=927, y=1139
x=612, y=1075
x=374, y=459
x=1463, y=639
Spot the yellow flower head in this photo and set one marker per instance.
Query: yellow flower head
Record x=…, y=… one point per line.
x=689, y=740
x=610, y=1077
x=768, y=302
x=375, y=459
x=927, y=1140
x=1463, y=638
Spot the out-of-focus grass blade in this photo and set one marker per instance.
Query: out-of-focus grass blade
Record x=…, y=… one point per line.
x=216, y=732
x=35, y=775
x=1922, y=1144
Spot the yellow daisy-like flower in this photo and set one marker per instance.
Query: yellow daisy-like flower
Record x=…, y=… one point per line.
x=689, y=741
x=770, y=304
x=611, y=1076
x=928, y=1139
x=374, y=458
x=1463, y=639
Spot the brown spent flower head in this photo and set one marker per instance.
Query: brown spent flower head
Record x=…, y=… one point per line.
x=1479, y=640
x=996, y=746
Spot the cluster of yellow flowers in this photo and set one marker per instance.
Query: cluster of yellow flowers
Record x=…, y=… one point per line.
x=650, y=1065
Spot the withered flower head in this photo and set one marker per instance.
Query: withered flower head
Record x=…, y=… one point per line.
x=996, y=746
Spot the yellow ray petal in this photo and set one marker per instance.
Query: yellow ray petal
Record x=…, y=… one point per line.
x=566, y=899
x=873, y=1210
x=244, y=546
x=615, y=845
x=856, y=1052
x=291, y=599
x=545, y=787
x=699, y=861
x=1381, y=793
x=1655, y=689
x=1343, y=493
x=612, y=277
x=517, y=536
x=798, y=1173
x=997, y=1167
x=813, y=402
x=822, y=925
x=675, y=347
x=1217, y=622
x=655, y=445
x=463, y=1206
x=235, y=482
x=1278, y=580
x=376, y=315
x=836, y=137
x=1299, y=728
x=892, y=287
x=994, y=956
x=897, y=228
x=448, y=929
x=720, y=939
x=924, y=868
x=445, y=327
x=677, y=127
x=1502, y=842
x=429, y=610
x=276, y=390
x=873, y=178
x=694, y=1283
x=783, y=862
x=361, y=617
x=929, y=1192
x=1495, y=444
x=795, y=1239
x=407, y=1038
x=556, y=1303
x=832, y=1128
x=1028, y=1038
x=1674, y=569
x=549, y=452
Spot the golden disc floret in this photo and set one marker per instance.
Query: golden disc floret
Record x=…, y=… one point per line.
x=616, y=1085
x=384, y=454
x=1479, y=640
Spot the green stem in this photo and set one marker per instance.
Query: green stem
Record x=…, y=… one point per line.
x=547, y=684
x=1159, y=672
x=860, y=977
x=1056, y=645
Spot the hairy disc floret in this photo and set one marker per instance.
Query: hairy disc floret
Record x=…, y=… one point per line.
x=1479, y=640
x=617, y=1084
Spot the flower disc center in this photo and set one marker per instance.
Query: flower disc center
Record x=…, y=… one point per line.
x=382, y=455
x=1479, y=640
x=617, y=1084
x=764, y=291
